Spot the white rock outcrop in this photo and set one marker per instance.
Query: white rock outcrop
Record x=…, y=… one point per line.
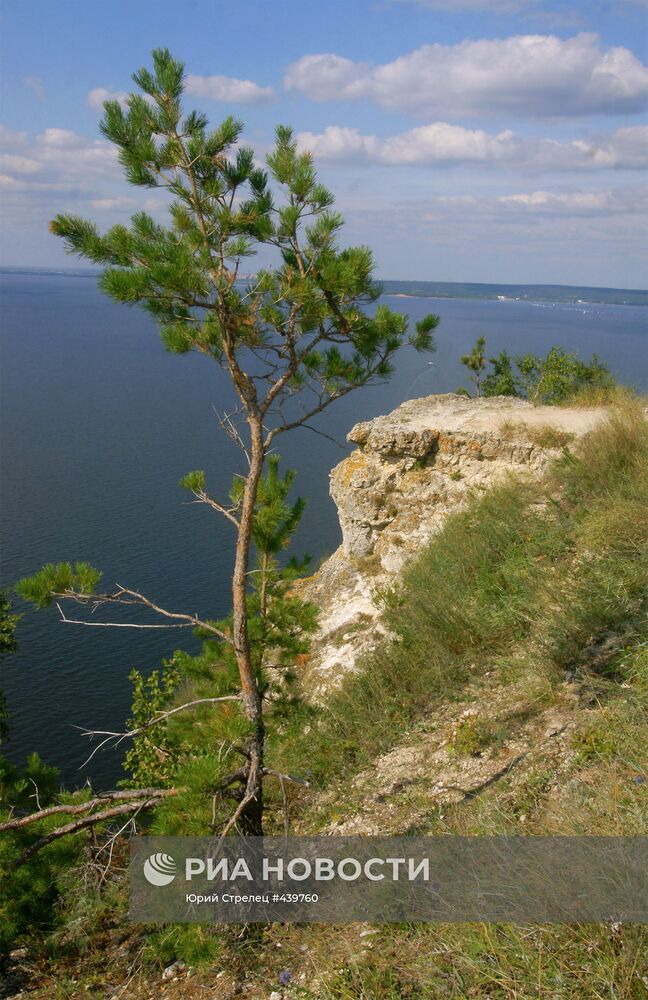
x=411, y=469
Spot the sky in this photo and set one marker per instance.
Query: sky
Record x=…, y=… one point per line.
x=464, y=140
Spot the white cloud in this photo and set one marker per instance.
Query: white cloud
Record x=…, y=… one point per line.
x=441, y=144
x=56, y=159
x=97, y=97
x=228, y=89
x=59, y=170
x=470, y=235
x=106, y=204
x=457, y=220
x=529, y=227
x=565, y=204
x=66, y=154
x=526, y=75
x=17, y=164
x=429, y=144
x=328, y=77
x=574, y=202
x=61, y=138
x=215, y=88
x=10, y=138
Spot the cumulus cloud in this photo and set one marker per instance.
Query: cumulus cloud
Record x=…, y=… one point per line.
x=578, y=225
x=561, y=214
x=58, y=170
x=229, y=89
x=63, y=154
x=106, y=204
x=97, y=97
x=9, y=137
x=526, y=75
x=16, y=164
x=215, y=88
x=56, y=159
x=478, y=236
x=572, y=202
x=429, y=144
x=441, y=144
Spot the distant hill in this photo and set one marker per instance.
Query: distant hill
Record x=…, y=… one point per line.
x=574, y=294
x=528, y=293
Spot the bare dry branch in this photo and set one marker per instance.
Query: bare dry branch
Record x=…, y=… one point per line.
x=74, y=809
x=79, y=621
x=80, y=824
x=125, y=596
x=247, y=798
x=205, y=497
x=130, y=734
x=286, y=777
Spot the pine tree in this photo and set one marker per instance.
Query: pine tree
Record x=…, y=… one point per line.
x=299, y=328
x=476, y=362
x=501, y=381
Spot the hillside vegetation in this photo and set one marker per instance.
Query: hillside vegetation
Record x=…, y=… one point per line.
x=520, y=634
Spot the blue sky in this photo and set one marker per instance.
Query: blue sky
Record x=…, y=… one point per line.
x=465, y=140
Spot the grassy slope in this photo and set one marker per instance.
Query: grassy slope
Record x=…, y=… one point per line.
x=532, y=584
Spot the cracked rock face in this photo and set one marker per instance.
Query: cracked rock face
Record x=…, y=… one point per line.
x=412, y=468
x=416, y=464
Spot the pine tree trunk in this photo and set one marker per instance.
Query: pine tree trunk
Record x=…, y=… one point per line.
x=251, y=819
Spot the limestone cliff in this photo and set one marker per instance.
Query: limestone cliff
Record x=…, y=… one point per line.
x=411, y=469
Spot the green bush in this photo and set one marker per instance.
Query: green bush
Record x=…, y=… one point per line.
x=555, y=379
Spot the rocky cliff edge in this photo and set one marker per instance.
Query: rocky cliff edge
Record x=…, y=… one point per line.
x=412, y=468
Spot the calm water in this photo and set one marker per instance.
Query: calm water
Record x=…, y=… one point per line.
x=98, y=425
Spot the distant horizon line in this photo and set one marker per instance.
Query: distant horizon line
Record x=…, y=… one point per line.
x=90, y=272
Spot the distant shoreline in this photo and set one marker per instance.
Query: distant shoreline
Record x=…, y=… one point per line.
x=577, y=295
x=558, y=294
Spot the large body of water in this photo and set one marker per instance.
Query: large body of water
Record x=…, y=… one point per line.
x=98, y=425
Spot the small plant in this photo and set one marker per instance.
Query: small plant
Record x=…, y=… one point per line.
x=593, y=743
x=367, y=565
x=476, y=362
x=501, y=381
x=510, y=429
x=149, y=760
x=545, y=436
x=548, y=436
x=469, y=735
